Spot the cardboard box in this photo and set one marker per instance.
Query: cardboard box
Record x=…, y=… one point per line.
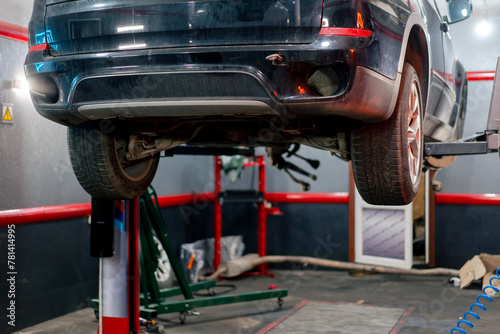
x=481, y=266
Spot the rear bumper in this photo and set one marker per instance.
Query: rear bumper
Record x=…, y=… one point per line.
x=209, y=82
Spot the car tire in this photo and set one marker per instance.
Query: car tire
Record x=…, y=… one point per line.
x=97, y=154
x=387, y=156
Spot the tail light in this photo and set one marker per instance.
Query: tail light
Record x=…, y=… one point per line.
x=39, y=47
x=345, y=32
x=346, y=18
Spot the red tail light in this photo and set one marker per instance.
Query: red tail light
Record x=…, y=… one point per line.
x=38, y=47
x=345, y=32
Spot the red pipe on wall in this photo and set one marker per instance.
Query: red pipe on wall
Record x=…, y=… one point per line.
x=308, y=198
x=43, y=214
x=481, y=76
x=71, y=211
x=468, y=199
x=12, y=31
x=177, y=200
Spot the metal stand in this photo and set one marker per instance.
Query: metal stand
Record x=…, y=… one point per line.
x=237, y=196
x=244, y=197
x=482, y=143
x=153, y=300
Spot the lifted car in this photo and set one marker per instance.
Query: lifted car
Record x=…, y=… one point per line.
x=366, y=80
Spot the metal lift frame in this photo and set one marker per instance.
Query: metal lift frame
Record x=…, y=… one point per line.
x=482, y=143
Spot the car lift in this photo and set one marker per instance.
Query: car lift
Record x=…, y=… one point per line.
x=115, y=237
x=482, y=143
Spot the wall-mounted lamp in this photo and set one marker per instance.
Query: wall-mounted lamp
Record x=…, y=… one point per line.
x=484, y=27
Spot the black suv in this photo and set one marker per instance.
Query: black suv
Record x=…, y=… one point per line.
x=366, y=80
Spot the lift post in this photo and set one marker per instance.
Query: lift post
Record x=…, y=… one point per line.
x=118, y=265
x=482, y=143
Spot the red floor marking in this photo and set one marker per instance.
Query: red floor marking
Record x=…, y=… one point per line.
x=277, y=322
x=401, y=321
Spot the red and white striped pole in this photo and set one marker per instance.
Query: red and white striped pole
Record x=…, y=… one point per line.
x=119, y=274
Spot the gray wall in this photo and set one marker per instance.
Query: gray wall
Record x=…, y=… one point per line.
x=16, y=11
x=33, y=150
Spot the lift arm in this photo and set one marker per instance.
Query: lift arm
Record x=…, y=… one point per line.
x=485, y=142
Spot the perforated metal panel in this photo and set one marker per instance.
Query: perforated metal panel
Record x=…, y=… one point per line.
x=384, y=233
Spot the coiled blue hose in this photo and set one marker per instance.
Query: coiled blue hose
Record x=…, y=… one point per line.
x=478, y=304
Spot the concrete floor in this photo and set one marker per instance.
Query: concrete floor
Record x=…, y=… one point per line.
x=393, y=304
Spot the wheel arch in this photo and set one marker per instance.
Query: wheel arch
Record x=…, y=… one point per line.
x=415, y=51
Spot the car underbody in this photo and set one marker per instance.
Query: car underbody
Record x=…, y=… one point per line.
x=150, y=138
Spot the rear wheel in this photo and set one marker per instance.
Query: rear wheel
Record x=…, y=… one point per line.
x=387, y=156
x=98, y=156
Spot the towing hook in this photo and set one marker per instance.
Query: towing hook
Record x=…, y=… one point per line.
x=277, y=59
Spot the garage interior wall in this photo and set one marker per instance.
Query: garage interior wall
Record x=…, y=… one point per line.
x=56, y=274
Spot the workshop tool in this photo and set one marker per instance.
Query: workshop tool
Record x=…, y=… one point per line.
x=277, y=160
x=153, y=302
x=293, y=152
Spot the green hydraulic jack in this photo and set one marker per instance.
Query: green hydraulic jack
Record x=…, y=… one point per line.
x=153, y=299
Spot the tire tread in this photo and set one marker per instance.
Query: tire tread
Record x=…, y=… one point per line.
x=92, y=156
x=378, y=156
